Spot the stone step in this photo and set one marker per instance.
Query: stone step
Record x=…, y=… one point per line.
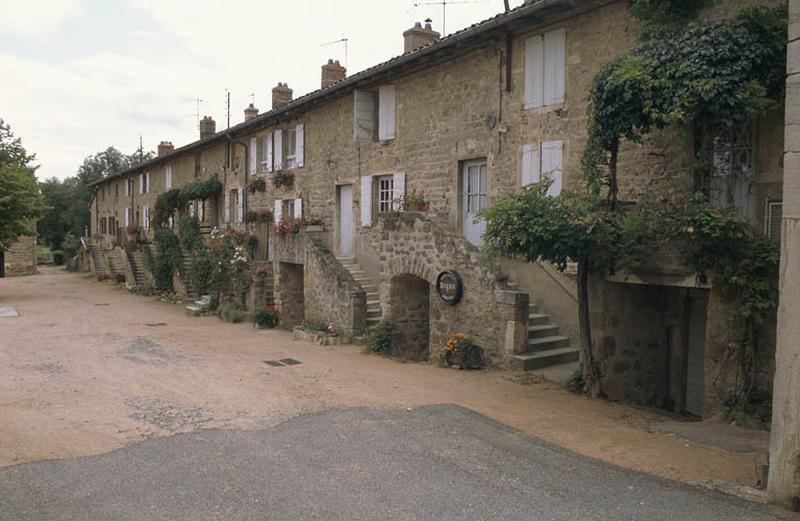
x=541, y=331
x=373, y=320
x=372, y=303
x=194, y=311
x=538, y=319
x=537, y=360
x=373, y=312
x=547, y=342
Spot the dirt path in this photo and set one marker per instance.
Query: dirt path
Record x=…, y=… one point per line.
x=88, y=367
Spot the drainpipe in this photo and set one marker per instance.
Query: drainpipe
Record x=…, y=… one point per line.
x=246, y=172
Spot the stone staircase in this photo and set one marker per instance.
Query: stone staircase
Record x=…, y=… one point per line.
x=136, y=258
x=546, y=346
x=99, y=262
x=186, y=265
x=116, y=266
x=199, y=307
x=374, y=311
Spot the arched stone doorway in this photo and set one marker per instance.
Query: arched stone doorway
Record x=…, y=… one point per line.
x=410, y=314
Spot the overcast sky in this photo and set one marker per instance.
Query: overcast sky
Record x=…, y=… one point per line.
x=81, y=75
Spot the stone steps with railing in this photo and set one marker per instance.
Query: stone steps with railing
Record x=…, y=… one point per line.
x=374, y=310
x=99, y=263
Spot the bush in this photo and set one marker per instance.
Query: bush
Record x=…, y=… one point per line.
x=70, y=245
x=380, y=337
x=231, y=312
x=267, y=318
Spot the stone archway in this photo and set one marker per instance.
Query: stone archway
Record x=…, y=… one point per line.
x=409, y=300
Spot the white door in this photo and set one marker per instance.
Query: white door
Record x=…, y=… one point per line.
x=474, y=184
x=346, y=220
x=695, y=366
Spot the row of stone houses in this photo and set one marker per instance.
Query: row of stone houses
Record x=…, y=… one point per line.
x=463, y=120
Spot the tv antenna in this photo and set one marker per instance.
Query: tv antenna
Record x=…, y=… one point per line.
x=444, y=4
x=336, y=42
x=228, y=105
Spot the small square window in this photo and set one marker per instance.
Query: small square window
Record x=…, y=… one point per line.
x=385, y=194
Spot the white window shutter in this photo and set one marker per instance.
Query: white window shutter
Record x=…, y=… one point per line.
x=531, y=165
x=298, y=208
x=534, y=70
x=168, y=177
x=364, y=115
x=269, y=145
x=277, y=154
x=253, y=155
x=240, y=206
x=227, y=206
x=300, y=148
x=145, y=217
x=552, y=165
x=141, y=183
x=398, y=190
x=554, y=66
x=366, y=201
x=127, y=216
x=278, y=214
x=149, y=185
x=127, y=188
x=387, y=112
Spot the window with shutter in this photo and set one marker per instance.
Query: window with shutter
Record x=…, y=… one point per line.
x=277, y=152
x=278, y=213
x=387, y=112
x=534, y=71
x=291, y=148
x=545, y=69
x=141, y=183
x=268, y=144
x=531, y=166
x=253, y=167
x=298, y=208
x=364, y=121
x=398, y=190
x=300, y=145
x=385, y=193
x=227, y=207
x=366, y=201
x=552, y=165
x=168, y=177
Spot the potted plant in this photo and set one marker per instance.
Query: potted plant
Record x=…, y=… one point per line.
x=413, y=202
x=283, y=178
x=312, y=224
x=266, y=318
x=460, y=351
x=287, y=225
x=257, y=185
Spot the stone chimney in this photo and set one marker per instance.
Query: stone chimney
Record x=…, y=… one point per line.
x=419, y=36
x=207, y=127
x=250, y=112
x=281, y=95
x=332, y=73
x=165, y=147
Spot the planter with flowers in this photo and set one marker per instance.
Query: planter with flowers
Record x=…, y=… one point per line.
x=283, y=178
x=460, y=351
x=288, y=226
x=321, y=334
x=257, y=184
x=413, y=202
x=268, y=318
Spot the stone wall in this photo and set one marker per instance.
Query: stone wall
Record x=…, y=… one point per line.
x=289, y=293
x=410, y=301
x=20, y=258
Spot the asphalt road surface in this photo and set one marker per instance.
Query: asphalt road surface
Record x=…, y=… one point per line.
x=437, y=462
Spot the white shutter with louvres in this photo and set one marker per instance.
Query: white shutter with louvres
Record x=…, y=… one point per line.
x=148, y=186
x=552, y=165
x=227, y=207
x=364, y=120
x=398, y=190
x=534, y=70
x=127, y=217
x=387, y=112
x=299, y=145
x=278, y=213
x=554, y=66
x=277, y=153
x=531, y=167
x=366, y=201
x=240, y=207
x=253, y=156
x=268, y=143
x=127, y=187
x=141, y=183
x=298, y=208
x=168, y=177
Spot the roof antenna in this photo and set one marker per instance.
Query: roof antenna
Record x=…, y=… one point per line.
x=344, y=41
x=508, y=8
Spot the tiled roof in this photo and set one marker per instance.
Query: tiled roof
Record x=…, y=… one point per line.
x=431, y=50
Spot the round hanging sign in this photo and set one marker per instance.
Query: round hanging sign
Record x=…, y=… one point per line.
x=449, y=287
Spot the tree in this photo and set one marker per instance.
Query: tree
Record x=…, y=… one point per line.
x=20, y=200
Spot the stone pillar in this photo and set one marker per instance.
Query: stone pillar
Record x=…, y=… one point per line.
x=784, y=472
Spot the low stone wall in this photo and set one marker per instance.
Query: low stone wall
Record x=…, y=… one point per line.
x=20, y=258
x=422, y=246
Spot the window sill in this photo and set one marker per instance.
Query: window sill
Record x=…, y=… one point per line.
x=544, y=109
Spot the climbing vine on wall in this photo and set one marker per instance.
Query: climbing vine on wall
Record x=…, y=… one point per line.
x=178, y=198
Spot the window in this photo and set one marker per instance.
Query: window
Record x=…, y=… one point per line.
x=288, y=209
x=291, y=146
x=544, y=161
x=168, y=177
x=772, y=224
x=385, y=194
x=129, y=187
x=545, y=69
x=375, y=114
x=146, y=217
x=144, y=183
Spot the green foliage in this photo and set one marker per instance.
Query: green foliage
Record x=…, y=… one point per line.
x=20, y=199
x=380, y=337
x=222, y=266
x=167, y=260
x=166, y=205
x=576, y=384
x=267, y=318
x=189, y=233
x=666, y=12
x=70, y=245
x=231, y=312
x=202, y=190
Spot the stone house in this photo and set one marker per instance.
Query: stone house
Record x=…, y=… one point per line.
x=462, y=120
x=20, y=259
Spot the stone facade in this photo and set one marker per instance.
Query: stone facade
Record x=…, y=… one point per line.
x=20, y=258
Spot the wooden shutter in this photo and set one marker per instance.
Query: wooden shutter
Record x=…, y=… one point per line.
x=168, y=177
x=531, y=165
x=552, y=165
x=298, y=208
x=240, y=206
x=127, y=187
x=366, y=201
x=364, y=120
x=278, y=213
x=554, y=66
x=149, y=186
x=534, y=70
x=127, y=216
x=277, y=153
x=299, y=145
x=141, y=183
x=398, y=190
x=228, y=206
x=253, y=155
x=387, y=112
x=269, y=148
